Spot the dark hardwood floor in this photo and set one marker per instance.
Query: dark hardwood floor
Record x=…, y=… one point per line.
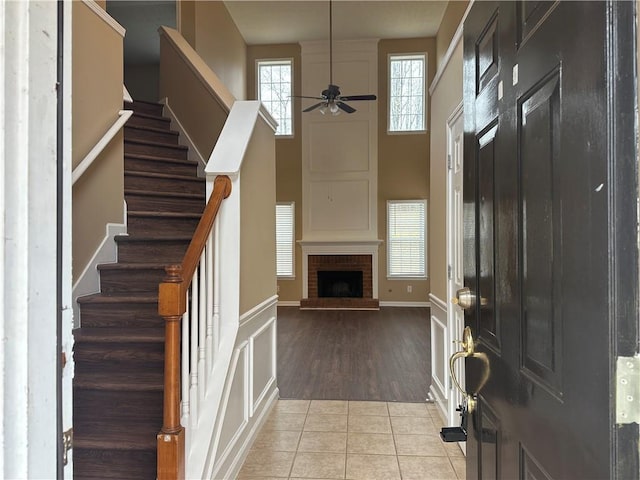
x=354, y=355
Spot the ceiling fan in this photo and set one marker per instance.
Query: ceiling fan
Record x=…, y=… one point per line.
x=331, y=99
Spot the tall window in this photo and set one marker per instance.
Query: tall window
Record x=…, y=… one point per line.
x=285, y=237
x=275, y=87
x=406, y=233
x=407, y=98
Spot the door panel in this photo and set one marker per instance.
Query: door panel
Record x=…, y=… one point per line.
x=542, y=235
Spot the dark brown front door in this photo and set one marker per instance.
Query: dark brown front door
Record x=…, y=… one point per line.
x=550, y=246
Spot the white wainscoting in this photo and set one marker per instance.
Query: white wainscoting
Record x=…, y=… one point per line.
x=250, y=391
x=439, y=354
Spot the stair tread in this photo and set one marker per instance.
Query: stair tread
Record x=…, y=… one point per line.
x=151, y=381
x=132, y=266
x=101, y=298
x=154, y=117
x=151, y=238
x=171, y=176
x=145, y=213
x=145, y=156
x=155, y=144
x=119, y=335
x=153, y=129
x=155, y=193
x=114, y=440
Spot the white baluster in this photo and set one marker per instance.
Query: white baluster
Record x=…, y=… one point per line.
x=193, y=350
x=211, y=286
x=202, y=320
x=184, y=381
x=216, y=287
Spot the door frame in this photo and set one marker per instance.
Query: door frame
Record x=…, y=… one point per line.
x=454, y=398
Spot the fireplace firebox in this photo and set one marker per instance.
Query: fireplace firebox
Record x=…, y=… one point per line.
x=340, y=283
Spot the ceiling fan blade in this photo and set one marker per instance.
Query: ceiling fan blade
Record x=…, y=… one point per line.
x=303, y=96
x=313, y=107
x=345, y=107
x=352, y=98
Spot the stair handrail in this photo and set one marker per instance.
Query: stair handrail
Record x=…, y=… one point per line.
x=87, y=161
x=172, y=306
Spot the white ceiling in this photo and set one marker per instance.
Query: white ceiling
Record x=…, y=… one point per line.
x=270, y=22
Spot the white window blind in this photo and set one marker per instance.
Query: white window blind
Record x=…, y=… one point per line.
x=407, y=93
x=285, y=236
x=275, y=87
x=406, y=232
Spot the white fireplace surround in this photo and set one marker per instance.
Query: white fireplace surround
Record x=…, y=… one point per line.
x=366, y=247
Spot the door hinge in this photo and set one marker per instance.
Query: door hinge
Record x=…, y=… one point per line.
x=628, y=390
x=449, y=161
x=67, y=444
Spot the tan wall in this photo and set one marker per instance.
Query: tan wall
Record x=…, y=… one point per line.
x=403, y=167
x=446, y=97
x=219, y=43
x=97, y=98
x=448, y=26
x=258, y=220
x=187, y=21
x=288, y=153
x=189, y=97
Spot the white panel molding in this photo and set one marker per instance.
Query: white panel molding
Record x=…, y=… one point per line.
x=438, y=302
x=254, y=313
x=103, y=15
x=405, y=304
x=439, y=380
x=269, y=325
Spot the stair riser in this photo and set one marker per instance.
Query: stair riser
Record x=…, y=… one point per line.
x=150, y=135
x=133, y=407
x=116, y=464
x=147, y=203
x=131, y=281
x=154, y=166
x=137, y=121
x=154, y=225
x=136, y=182
x=159, y=150
x=92, y=357
x=148, y=108
x=170, y=252
x=122, y=315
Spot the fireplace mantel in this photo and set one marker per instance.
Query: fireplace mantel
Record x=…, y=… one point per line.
x=347, y=247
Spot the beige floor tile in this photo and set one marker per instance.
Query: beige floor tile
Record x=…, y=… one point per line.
x=412, y=425
x=453, y=449
x=329, y=407
x=371, y=443
x=265, y=463
x=422, y=468
x=408, y=409
x=277, y=441
x=318, y=465
x=459, y=466
x=368, y=408
x=292, y=406
x=372, y=467
x=329, y=442
x=326, y=423
x=427, y=445
x=244, y=477
x=368, y=424
x=285, y=421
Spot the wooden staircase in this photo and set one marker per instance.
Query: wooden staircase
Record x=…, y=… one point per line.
x=119, y=349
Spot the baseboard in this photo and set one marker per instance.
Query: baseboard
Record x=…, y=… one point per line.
x=405, y=304
x=88, y=282
x=288, y=303
x=193, y=154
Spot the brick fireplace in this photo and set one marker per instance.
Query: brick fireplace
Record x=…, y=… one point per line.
x=337, y=278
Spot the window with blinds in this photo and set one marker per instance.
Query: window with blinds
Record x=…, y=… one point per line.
x=285, y=239
x=406, y=234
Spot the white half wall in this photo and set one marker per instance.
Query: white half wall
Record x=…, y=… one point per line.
x=439, y=354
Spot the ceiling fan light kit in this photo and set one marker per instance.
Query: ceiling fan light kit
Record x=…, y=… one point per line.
x=332, y=100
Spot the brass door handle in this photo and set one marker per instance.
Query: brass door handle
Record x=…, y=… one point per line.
x=468, y=351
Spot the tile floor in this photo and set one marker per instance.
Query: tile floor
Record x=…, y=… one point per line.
x=327, y=439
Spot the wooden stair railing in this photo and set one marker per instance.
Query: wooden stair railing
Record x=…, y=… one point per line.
x=172, y=305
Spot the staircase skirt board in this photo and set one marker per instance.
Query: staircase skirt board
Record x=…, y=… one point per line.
x=119, y=348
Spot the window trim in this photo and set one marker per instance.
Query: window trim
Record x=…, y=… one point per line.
x=277, y=61
x=292, y=204
x=426, y=249
x=425, y=94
